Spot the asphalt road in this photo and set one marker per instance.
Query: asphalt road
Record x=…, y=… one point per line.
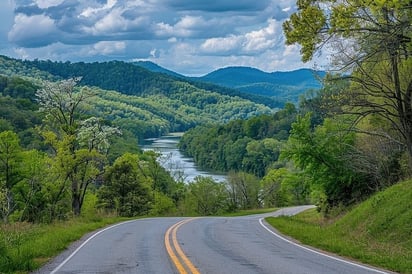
x=212, y=244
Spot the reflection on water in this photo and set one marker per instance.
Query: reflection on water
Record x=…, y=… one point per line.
x=179, y=166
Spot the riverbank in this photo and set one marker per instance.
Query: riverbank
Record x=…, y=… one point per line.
x=181, y=167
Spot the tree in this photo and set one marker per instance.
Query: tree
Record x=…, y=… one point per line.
x=61, y=102
x=30, y=193
x=10, y=175
x=209, y=197
x=325, y=155
x=79, y=146
x=284, y=187
x=126, y=189
x=372, y=40
x=243, y=189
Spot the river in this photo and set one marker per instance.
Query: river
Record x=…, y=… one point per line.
x=180, y=167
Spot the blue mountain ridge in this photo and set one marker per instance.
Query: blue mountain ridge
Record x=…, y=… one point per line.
x=284, y=85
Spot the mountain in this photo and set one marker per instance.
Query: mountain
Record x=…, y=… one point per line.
x=156, y=68
x=280, y=86
x=124, y=77
x=146, y=103
x=287, y=86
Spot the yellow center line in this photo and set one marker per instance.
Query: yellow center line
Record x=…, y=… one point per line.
x=172, y=232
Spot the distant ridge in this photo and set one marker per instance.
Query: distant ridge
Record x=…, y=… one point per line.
x=156, y=68
x=283, y=86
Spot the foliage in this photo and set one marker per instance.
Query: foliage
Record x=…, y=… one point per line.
x=10, y=165
x=18, y=110
x=250, y=145
x=373, y=41
x=126, y=190
x=282, y=187
x=244, y=191
x=325, y=154
x=78, y=145
x=376, y=232
x=207, y=197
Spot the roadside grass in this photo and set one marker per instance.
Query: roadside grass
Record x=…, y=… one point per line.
x=245, y=212
x=25, y=247
x=377, y=232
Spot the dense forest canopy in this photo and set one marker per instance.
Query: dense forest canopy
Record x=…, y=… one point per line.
x=144, y=103
x=124, y=77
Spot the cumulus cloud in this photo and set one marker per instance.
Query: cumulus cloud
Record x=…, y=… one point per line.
x=190, y=37
x=218, y=5
x=43, y=4
x=33, y=31
x=108, y=47
x=253, y=42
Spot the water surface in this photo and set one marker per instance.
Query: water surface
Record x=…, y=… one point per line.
x=180, y=167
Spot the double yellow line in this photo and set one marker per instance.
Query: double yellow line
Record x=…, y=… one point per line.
x=180, y=260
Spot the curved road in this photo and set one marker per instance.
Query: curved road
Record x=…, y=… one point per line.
x=211, y=244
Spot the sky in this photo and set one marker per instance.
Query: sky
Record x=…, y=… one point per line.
x=191, y=37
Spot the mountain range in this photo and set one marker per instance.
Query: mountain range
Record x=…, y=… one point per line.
x=280, y=85
x=150, y=101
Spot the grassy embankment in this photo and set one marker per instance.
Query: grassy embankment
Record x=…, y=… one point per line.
x=25, y=247
x=377, y=232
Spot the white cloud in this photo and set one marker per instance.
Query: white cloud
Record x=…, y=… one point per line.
x=112, y=22
x=33, y=31
x=187, y=26
x=44, y=4
x=191, y=37
x=108, y=47
x=89, y=11
x=263, y=39
x=253, y=42
x=222, y=45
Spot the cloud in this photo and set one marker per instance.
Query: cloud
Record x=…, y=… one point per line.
x=218, y=5
x=43, y=4
x=33, y=31
x=108, y=47
x=191, y=37
x=253, y=42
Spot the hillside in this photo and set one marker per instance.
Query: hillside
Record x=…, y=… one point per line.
x=124, y=77
x=378, y=231
x=156, y=68
x=280, y=86
x=287, y=86
x=147, y=104
x=217, y=87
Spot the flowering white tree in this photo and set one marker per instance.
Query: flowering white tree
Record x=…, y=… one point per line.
x=80, y=146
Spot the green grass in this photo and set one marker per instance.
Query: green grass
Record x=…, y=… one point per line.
x=245, y=212
x=377, y=232
x=25, y=247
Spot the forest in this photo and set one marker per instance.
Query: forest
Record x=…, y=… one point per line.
x=69, y=131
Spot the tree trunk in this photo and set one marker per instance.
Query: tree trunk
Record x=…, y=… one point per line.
x=76, y=204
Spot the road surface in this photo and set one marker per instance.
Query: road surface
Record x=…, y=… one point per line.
x=197, y=245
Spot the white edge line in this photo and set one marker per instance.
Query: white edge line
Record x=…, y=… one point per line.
x=84, y=243
x=319, y=253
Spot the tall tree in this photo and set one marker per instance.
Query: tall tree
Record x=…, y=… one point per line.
x=372, y=41
x=325, y=154
x=10, y=175
x=79, y=145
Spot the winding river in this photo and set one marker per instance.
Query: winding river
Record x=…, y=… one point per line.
x=180, y=167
